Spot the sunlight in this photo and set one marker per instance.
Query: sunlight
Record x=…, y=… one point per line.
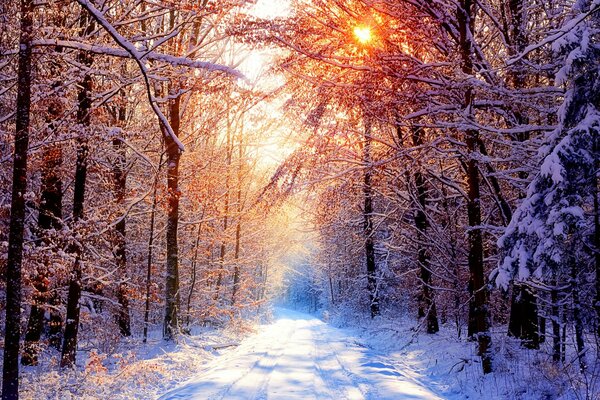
x=363, y=34
x=253, y=66
x=271, y=8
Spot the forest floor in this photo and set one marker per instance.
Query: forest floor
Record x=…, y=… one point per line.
x=302, y=357
x=297, y=356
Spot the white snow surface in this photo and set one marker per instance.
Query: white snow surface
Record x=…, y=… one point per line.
x=301, y=357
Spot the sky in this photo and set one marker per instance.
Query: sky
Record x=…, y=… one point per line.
x=257, y=62
x=271, y=8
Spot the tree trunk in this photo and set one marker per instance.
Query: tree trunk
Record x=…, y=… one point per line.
x=422, y=225
x=69, y=349
x=194, y=274
x=523, y=311
x=523, y=322
x=150, y=250
x=578, y=318
x=12, y=334
x=51, y=214
x=596, y=193
x=478, y=313
x=238, y=228
x=554, y=309
x=120, y=182
x=171, y=325
x=369, y=230
x=236, y=267
x=223, y=250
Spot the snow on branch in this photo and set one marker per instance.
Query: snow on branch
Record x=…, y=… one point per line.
x=130, y=51
x=150, y=56
x=557, y=35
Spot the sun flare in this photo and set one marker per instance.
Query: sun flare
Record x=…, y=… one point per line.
x=363, y=34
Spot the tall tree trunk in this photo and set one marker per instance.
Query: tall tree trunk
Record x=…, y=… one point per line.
x=194, y=273
x=455, y=265
x=69, y=349
x=523, y=319
x=554, y=309
x=478, y=313
x=238, y=228
x=12, y=333
x=422, y=225
x=171, y=325
x=596, y=194
x=523, y=322
x=577, y=317
x=369, y=230
x=50, y=210
x=150, y=250
x=120, y=182
x=236, y=257
x=223, y=250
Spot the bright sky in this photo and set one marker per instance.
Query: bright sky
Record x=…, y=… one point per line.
x=271, y=8
x=277, y=146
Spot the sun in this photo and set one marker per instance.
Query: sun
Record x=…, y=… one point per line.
x=363, y=34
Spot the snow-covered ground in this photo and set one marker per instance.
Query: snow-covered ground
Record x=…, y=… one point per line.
x=301, y=357
x=298, y=356
x=129, y=371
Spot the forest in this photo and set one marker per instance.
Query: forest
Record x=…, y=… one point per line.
x=390, y=198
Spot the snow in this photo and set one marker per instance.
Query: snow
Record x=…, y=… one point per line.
x=299, y=356
x=132, y=370
x=302, y=357
x=138, y=56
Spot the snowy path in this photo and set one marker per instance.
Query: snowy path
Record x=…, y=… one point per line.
x=299, y=357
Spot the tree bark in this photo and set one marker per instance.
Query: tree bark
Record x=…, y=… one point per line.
x=171, y=324
x=69, y=349
x=554, y=309
x=238, y=228
x=150, y=251
x=523, y=319
x=596, y=193
x=223, y=250
x=120, y=183
x=478, y=313
x=578, y=318
x=236, y=256
x=423, y=257
x=194, y=274
x=12, y=334
x=523, y=322
x=369, y=230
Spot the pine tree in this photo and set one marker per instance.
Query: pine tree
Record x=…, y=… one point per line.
x=548, y=233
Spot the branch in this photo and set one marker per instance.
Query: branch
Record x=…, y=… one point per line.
x=555, y=36
x=130, y=51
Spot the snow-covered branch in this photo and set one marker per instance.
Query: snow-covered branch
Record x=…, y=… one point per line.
x=135, y=54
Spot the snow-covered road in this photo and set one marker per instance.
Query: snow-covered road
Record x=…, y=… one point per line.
x=300, y=357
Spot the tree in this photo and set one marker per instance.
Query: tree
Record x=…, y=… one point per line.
x=120, y=182
x=50, y=217
x=84, y=108
x=12, y=335
x=548, y=231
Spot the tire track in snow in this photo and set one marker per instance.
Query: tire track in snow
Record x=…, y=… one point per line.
x=266, y=362
x=299, y=357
